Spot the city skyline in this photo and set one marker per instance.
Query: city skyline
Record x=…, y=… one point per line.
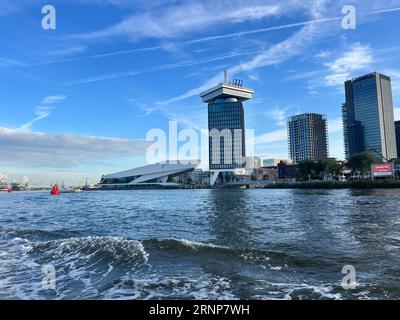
x=79, y=102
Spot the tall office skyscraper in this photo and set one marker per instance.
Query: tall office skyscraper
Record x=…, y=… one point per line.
x=397, y=126
x=226, y=125
x=308, y=137
x=368, y=118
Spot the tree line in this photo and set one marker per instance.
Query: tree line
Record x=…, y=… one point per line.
x=331, y=169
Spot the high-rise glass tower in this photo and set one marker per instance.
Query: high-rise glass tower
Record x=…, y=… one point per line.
x=368, y=118
x=227, y=148
x=397, y=126
x=308, y=137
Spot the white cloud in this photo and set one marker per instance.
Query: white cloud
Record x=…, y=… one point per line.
x=397, y=114
x=282, y=51
x=43, y=111
x=254, y=77
x=169, y=66
x=189, y=42
x=188, y=17
x=357, y=58
x=279, y=115
x=274, y=136
x=9, y=63
x=193, y=16
x=123, y=3
x=251, y=9
x=336, y=147
x=52, y=99
x=352, y=61
x=302, y=75
x=335, y=125
x=11, y=6
x=68, y=50
x=323, y=54
x=36, y=149
x=277, y=150
x=3, y=175
x=24, y=179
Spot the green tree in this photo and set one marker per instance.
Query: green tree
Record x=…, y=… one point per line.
x=330, y=167
x=306, y=170
x=395, y=161
x=320, y=169
x=361, y=162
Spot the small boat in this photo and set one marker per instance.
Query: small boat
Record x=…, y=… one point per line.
x=64, y=190
x=70, y=190
x=10, y=190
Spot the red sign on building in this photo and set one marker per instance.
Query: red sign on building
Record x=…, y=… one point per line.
x=382, y=170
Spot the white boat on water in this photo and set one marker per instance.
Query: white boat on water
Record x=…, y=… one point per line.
x=70, y=190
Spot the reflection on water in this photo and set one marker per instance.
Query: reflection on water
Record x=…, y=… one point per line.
x=201, y=244
x=228, y=218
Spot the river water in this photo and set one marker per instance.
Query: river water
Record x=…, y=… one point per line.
x=200, y=244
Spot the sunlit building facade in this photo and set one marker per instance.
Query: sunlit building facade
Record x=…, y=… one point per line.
x=368, y=117
x=226, y=124
x=227, y=148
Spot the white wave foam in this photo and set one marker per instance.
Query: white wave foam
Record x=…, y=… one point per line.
x=290, y=291
x=204, y=287
x=119, y=249
x=82, y=265
x=196, y=245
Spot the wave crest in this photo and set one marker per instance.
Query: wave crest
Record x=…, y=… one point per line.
x=108, y=249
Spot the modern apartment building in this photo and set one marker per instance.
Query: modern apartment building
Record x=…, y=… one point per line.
x=308, y=137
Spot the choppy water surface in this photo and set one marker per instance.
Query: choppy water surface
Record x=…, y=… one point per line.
x=201, y=244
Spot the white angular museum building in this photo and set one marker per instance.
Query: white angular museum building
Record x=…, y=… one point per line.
x=160, y=174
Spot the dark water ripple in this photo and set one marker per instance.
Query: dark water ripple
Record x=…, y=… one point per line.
x=201, y=244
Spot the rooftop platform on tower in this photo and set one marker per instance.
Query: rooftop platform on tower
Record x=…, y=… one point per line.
x=227, y=90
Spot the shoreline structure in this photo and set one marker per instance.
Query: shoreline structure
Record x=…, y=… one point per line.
x=357, y=184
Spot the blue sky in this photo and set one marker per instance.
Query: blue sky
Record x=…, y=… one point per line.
x=78, y=101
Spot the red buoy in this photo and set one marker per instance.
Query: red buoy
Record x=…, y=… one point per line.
x=10, y=190
x=55, y=191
